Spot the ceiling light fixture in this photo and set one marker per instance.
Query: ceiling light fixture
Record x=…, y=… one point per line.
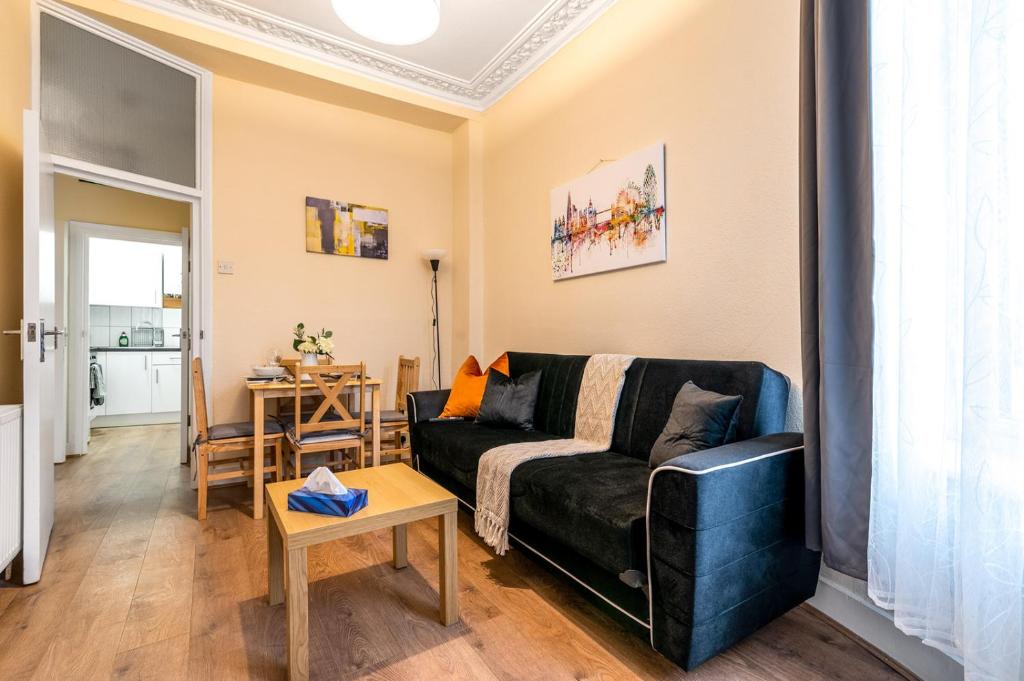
x=393, y=22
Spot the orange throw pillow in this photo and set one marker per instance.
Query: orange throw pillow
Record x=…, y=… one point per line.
x=468, y=387
x=500, y=365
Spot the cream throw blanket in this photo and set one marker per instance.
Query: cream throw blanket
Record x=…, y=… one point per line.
x=595, y=421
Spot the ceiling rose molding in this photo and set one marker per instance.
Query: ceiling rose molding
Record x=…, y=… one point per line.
x=554, y=26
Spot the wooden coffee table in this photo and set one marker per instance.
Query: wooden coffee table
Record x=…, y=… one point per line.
x=397, y=495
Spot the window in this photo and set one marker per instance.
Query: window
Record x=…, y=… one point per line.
x=946, y=549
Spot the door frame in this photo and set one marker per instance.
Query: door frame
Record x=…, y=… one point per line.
x=200, y=197
x=79, y=233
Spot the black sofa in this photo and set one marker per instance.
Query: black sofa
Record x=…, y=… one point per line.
x=700, y=552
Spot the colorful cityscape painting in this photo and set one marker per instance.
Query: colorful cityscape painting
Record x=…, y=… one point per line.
x=611, y=218
x=346, y=229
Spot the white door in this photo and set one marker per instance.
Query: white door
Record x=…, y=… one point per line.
x=129, y=388
x=38, y=335
x=185, y=338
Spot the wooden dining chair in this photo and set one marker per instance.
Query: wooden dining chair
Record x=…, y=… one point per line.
x=228, y=437
x=394, y=424
x=331, y=428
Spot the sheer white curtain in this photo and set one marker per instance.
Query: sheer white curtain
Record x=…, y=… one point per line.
x=946, y=547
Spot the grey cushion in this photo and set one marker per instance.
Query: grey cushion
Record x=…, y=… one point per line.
x=386, y=416
x=339, y=434
x=700, y=419
x=226, y=431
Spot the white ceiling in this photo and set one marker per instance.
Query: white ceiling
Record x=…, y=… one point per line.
x=481, y=49
x=471, y=33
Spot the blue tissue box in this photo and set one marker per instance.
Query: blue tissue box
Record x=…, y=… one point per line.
x=342, y=505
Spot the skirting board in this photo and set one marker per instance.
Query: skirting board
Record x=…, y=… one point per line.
x=135, y=420
x=844, y=600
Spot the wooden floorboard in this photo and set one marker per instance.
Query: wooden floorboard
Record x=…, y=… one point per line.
x=135, y=588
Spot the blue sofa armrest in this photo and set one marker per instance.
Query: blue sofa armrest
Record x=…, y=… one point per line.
x=725, y=532
x=425, y=405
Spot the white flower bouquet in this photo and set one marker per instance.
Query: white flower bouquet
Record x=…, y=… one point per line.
x=312, y=344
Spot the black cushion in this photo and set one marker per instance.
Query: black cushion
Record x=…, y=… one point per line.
x=455, y=446
x=227, y=431
x=595, y=504
x=509, y=402
x=700, y=419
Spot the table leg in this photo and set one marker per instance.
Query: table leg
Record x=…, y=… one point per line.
x=447, y=531
x=400, y=545
x=375, y=402
x=258, y=453
x=275, y=562
x=298, y=616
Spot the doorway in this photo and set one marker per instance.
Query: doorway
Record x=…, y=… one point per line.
x=165, y=112
x=128, y=320
x=153, y=138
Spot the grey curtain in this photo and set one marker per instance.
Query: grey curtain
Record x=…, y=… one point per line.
x=836, y=271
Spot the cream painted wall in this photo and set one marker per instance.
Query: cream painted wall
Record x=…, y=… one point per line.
x=87, y=202
x=271, y=150
x=716, y=80
x=15, y=96
x=466, y=259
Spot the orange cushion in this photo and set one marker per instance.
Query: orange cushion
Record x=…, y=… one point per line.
x=468, y=387
x=500, y=365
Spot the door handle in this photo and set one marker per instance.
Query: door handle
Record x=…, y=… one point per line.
x=55, y=332
x=17, y=332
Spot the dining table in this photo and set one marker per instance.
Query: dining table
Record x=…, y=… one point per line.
x=261, y=390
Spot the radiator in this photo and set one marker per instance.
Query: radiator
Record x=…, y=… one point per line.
x=10, y=483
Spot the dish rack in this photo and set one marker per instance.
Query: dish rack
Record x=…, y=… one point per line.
x=147, y=336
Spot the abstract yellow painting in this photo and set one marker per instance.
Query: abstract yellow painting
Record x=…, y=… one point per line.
x=339, y=228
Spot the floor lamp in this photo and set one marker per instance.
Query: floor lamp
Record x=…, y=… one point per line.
x=434, y=257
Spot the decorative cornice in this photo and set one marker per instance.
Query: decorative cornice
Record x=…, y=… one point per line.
x=553, y=27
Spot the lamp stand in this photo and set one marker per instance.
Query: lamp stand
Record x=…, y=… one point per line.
x=434, y=264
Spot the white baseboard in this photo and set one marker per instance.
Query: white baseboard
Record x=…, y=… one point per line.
x=845, y=600
x=135, y=420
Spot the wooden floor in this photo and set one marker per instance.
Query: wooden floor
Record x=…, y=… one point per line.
x=136, y=588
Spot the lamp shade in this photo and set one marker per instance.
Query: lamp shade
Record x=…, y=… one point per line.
x=434, y=254
x=392, y=22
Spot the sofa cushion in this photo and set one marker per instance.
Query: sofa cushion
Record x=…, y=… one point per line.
x=560, y=380
x=700, y=419
x=509, y=402
x=468, y=387
x=652, y=385
x=455, y=447
x=595, y=504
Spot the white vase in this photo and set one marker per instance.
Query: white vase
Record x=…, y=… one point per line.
x=310, y=359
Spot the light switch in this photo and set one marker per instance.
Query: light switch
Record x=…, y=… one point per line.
x=225, y=267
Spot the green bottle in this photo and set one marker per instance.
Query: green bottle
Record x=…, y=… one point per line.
x=122, y=340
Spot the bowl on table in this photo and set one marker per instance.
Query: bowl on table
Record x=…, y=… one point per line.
x=268, y=372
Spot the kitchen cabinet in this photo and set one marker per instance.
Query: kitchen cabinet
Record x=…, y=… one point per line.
x=172, y=269
x=125, y=273
x=166, y=387
x=129, y=383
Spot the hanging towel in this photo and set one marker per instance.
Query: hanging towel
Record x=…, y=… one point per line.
x=97, y=387
x=595, y=421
